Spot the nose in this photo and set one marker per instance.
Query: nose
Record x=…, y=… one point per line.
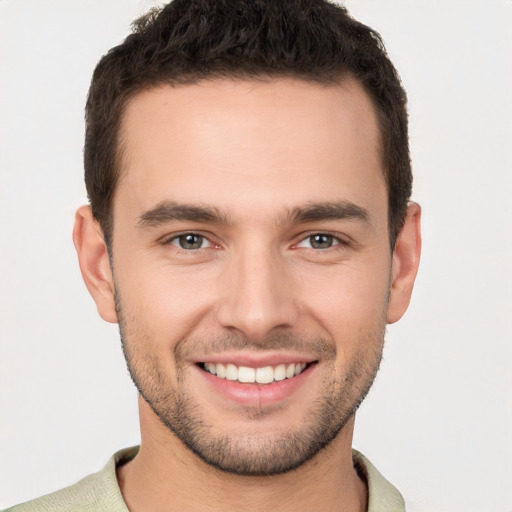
x=258, y=294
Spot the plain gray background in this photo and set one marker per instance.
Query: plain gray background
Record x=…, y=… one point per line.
x=437, y=423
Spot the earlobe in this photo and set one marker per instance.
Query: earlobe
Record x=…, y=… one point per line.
x=406, y=258
x=94, y=263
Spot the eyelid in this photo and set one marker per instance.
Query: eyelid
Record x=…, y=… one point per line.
x=338, y=239
x=167, y=239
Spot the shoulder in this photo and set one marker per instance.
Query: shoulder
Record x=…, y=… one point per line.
x=94, y=493
x=382, y=495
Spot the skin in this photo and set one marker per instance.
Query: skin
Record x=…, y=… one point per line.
x=256, y=153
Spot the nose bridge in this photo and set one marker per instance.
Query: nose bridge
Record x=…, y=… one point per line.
x=259, y=292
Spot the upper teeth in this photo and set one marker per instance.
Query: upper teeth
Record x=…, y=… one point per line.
x=264, y=375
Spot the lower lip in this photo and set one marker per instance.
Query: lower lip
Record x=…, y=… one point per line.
x=257, y=395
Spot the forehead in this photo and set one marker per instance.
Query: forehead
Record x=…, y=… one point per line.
x=228, y=142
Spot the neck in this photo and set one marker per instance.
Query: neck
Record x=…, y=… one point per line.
x=167, y=476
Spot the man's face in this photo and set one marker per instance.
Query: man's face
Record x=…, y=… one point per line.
x=251, y=244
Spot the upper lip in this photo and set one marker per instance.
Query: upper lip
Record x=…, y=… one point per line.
x=256, y=360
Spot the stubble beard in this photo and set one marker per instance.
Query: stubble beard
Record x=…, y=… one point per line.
x=252, y=453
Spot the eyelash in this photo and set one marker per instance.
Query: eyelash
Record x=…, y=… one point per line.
x=176, y=237
x=337, y=242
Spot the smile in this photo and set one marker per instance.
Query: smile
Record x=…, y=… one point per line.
x=262, y=375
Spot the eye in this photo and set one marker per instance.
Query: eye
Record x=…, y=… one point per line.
x=319, y=241
x=190, y=241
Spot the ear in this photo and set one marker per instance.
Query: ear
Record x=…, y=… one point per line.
x=406, y=258
x=94, y=264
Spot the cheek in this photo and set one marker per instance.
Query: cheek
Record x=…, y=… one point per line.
x=349, y=302
x=162, y=303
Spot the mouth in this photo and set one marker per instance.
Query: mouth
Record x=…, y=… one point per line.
x=256, y=380
x=260, y=375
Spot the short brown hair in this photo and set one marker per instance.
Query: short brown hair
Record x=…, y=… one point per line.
x=192, y=40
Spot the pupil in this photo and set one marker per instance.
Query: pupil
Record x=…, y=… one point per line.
x=191, y=241
x=321, y=241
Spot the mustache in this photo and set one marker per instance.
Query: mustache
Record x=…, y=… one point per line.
x=317, y=346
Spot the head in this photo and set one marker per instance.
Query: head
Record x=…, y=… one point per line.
x=248, y=172
x=190, y=41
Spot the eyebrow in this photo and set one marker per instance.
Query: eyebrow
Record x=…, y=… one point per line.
x=169, y=211
x=337, y=210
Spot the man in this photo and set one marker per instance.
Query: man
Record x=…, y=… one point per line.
x=250, y=230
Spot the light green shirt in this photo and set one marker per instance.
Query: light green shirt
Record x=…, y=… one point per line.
x=100, y=492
